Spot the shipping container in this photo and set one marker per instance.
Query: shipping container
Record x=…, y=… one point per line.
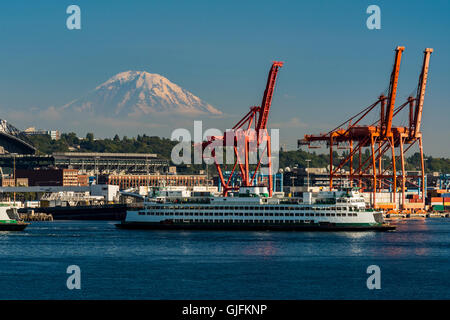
x=385, y=205
x=413, y=205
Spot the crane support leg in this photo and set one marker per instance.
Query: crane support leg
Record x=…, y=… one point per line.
x=380, y=156
x=422, y=171
x=351, y=163
x=402, y=160
x=359, y=171
x=394, y=173
x=331, y=162
x=374, y=169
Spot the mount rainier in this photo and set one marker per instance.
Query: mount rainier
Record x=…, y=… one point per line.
x=138, y=93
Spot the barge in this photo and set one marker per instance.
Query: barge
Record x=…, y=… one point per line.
x=106, y=212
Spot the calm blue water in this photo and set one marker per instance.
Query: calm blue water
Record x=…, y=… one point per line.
x=122, y=264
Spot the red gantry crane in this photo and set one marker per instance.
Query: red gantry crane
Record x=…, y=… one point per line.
x=379, y=138
x=247, y=137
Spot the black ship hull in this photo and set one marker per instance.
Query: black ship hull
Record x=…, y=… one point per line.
x=115, y=212
x=13, y=226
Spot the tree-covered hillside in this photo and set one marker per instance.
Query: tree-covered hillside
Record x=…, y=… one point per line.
x=70, y=142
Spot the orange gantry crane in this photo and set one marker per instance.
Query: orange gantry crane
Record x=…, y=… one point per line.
x=247, y=137
x=379, y=138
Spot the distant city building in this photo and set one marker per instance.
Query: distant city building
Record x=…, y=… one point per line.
x=54, y=134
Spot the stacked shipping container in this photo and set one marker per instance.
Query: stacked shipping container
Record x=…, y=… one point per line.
x=440, y=200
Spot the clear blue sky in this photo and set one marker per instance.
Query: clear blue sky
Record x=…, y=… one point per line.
x=221, y=51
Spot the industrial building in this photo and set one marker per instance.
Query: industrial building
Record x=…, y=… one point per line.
x=49, y=177
x=135, y=180
x=88, y=162
x=106, y=162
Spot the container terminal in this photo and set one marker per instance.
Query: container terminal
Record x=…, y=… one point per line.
x=95, y=185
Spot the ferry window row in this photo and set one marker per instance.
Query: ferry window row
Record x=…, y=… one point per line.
x=243, y=221
x=171, y=213
x=260, y=208
x=350, y=200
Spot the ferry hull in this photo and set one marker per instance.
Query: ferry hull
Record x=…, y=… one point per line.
x=13, y=226
x=254, y=226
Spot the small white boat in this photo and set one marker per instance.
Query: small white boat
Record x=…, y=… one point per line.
x=10, y=220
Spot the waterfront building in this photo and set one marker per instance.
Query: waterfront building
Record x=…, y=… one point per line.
x=49, y=177
x=127, y=181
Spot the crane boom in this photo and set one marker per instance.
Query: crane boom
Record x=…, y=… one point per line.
x=421, y=92
x=267, y=97
x=392, y=91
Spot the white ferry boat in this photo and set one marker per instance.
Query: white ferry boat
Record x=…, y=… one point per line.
x=251, y=209
x=10, y=220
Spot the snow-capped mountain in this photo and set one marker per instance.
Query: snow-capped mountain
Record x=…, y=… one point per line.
x=137, y=93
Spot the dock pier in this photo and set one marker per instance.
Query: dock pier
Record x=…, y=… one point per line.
x=393, y=216
x=35, y=216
